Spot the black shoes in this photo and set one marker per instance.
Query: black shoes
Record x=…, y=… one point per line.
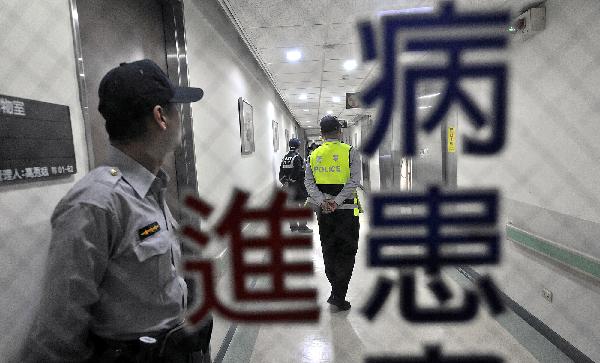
x=301, y=229
x=344, y=305
x=330, y=300
x=304, y=229
x=341, y=305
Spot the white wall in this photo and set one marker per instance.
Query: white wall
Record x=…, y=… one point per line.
x=221, y=64
x=37, y=63
x=548, y=173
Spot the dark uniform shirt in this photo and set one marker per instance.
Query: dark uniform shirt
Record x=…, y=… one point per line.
x=113, y=264
x=291, y=171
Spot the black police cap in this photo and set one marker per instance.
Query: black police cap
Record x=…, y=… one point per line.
x=294, y=143
x=330, y=123
x=141, y=83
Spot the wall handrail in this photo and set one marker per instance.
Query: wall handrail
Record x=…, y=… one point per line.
x=579, y=261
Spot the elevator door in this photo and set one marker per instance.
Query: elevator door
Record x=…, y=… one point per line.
x=365, y=130
x=434, y=164
x=112, y=32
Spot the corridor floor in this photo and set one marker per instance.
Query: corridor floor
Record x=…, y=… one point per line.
x=347, y=337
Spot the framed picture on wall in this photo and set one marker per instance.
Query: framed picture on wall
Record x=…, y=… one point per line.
x=246, y=126
x=275, y=135
x=287, y=140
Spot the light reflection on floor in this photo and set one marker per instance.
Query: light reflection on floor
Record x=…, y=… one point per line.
x=316, y=349
x=348, y=337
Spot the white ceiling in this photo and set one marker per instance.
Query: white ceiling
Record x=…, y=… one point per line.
x=324, y=31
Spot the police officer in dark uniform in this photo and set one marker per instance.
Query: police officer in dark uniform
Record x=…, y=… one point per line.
x=331, y=182
x=291, y=175
x=114, y=289
x=311, y=148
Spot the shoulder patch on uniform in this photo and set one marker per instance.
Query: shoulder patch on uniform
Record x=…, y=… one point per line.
x=148, y=231
x=107, y=175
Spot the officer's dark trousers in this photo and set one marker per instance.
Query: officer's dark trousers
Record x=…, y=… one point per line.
x=339, y=242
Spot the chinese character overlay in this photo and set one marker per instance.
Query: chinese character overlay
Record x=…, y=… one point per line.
x=471, y=227
x=384, y=89
x=277, y=268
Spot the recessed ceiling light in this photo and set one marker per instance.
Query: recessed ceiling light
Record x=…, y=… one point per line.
x=303, y=96
x=335, y=99
x=329, y=112
x=293, y=55
x=350, y=64
x=305, y=110
x=429, y=95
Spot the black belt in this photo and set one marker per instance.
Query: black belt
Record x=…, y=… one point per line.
x=176, y=342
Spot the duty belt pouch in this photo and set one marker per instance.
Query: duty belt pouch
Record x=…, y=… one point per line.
x=180, y=340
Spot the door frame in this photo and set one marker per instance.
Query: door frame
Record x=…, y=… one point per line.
x=177, y=70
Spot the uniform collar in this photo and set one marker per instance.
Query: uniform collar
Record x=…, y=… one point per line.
x=140, y=178
x=332, y=140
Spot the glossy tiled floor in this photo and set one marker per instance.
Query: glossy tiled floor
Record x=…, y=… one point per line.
x=345, y=337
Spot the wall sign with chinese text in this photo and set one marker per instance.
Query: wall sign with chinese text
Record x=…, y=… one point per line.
x=36, y=141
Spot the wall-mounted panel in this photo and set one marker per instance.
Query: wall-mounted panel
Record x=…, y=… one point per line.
x=36, y=141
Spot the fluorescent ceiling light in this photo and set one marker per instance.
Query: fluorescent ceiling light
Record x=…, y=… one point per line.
x=305, y=110
x=429, y=95
x=303, y=96
x=350, y=64
x=335, y=99
x=329, y=112
x=419, y=10
x=424, y=107
x=293, y=55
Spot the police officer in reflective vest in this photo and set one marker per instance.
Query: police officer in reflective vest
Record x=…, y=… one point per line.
x=331, y=182
x=291, y=175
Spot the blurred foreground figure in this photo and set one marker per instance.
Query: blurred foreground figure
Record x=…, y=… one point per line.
x=114, y=291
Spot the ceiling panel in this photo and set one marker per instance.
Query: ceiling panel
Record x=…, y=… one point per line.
x=325, y=32
x=278, y=55
x=299, y=77
x=288, y=37
x=313, y=66
x=269, y=13
x=342, y=33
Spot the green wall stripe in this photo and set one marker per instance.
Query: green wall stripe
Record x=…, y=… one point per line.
x=587, y=265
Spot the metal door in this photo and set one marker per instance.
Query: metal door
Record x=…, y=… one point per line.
x=365, y=129
x=434, y=164
x=115, y=31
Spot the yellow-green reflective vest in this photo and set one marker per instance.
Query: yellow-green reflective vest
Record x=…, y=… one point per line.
x=330, y=165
